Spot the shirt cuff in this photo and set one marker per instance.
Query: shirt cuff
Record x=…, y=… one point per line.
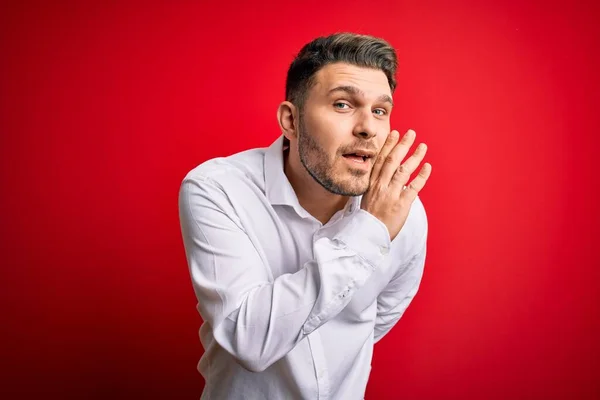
x=367, y=236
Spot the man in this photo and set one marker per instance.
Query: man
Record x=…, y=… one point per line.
x=304, y=254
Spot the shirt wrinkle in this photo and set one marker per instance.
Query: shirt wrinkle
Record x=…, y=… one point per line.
x=290, y=309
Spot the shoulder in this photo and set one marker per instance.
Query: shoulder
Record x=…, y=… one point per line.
x=242, y=169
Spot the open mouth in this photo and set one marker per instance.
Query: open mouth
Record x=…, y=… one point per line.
x=358, y=156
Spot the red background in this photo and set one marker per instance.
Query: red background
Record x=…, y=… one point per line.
x=104, y=108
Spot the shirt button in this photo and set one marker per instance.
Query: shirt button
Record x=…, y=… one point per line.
x=384, y=250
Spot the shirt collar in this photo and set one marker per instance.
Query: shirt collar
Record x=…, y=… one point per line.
x=278, y=188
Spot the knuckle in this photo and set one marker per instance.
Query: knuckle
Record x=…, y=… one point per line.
x=412, y=186
x=424, y=173
x=390, y=160
x=403, y=170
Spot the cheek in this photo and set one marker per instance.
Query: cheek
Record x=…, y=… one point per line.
x=327, y=133
x=331, y=130
x=383, y=133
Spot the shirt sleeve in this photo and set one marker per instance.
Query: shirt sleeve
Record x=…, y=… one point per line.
x=254, y=317
x=393, y=301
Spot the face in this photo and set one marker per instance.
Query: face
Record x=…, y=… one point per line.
x=344, y=123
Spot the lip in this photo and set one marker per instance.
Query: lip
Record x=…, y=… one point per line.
x=364, y=165
x=369, y=153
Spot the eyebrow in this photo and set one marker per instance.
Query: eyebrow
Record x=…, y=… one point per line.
x=353, y=90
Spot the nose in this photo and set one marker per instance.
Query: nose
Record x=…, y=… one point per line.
x=365, y=127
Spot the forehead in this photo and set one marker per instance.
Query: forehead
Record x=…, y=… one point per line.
x=372, y=82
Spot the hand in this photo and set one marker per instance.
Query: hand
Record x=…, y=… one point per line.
x=389, y=198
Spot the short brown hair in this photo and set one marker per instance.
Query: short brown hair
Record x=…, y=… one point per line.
x=360, y=50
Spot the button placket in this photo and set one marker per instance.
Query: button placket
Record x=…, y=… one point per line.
x=384, y=250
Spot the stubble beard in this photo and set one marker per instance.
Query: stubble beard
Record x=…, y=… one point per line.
x=316, y=162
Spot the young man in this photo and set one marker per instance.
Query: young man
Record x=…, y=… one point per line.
x=303, y=255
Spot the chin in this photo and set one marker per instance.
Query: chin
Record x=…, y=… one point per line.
x=354, y=188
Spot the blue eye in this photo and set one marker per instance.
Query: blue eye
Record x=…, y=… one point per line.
x=336, y=105
x=381, y=112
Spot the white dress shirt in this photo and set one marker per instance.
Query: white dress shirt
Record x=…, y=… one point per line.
x=291, y=307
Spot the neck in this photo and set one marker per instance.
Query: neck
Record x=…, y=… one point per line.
x=314, y=198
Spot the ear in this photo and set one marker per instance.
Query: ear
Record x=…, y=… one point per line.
x=287, y=116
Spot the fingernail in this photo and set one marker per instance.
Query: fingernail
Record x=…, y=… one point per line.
x=410, y=132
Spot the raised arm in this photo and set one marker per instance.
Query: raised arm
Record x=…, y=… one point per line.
x=257, y=319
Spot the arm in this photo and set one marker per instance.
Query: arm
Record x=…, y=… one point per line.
x=398, y=294
x=256, y=319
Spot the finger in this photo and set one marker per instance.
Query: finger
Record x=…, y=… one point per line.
x=389, y=144
x=404, y=171
x=393, y=160
x=416, y=185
